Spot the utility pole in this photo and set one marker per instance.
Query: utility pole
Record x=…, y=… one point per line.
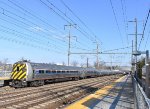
x=135, y=52
x=69, y=39
x=132, y=58
x=147, y=64
x=136, y=46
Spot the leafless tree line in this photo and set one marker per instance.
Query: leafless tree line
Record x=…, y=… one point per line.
x=4, y=66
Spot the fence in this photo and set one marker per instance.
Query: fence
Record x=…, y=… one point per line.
x=141, y=100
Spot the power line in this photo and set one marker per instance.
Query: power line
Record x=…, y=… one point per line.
x=116, y=20
x=144, y=28
x=21, y=22
x=44, y=21
x=30, y=26
x=80, y=48
x=83, y=31
x=63, y=18
x=124, y=19
x=21, y=27
x=69, y=19
x=27, y=24
x=24, y=42
x=117, y=49
x=147, y=39
x=28, y=37
x=78, y=18
x=24, y=19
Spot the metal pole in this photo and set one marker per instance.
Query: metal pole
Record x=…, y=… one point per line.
x=69, y=49
x=133, y=65
x=136, y=46
x=147, y=58
x=135, y=34
x=69, y=43
x=147, y=90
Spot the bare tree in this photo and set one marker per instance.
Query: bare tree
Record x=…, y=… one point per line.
x=74, y=63
x=63, y=63
x=5, y=64
x=82, y=65
x=52, y=62
x=95, y=64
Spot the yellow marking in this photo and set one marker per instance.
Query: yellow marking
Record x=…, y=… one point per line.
x=22, y=76
x=18, y=74
x=14, y=74
x=24, y=65
x=18, y=65
x=15, y=68
x=97, y=95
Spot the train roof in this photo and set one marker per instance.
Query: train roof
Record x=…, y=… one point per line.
x=50, y=66
x=53, y=66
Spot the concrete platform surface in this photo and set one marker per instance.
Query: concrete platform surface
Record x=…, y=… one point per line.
x=118, y=95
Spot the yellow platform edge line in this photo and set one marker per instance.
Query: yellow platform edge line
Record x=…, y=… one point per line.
x=4, y=78
x=98, y=94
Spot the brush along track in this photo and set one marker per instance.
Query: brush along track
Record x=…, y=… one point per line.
x=59, y=93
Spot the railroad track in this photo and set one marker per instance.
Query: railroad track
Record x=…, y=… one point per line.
x=51, y=96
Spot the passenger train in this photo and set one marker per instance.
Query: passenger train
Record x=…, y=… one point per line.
x=26, y=73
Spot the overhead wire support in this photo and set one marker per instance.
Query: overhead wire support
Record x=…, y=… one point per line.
x=103, y=53
x=136, y=34
x=69, y=41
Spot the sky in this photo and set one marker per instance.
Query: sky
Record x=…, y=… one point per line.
x=35, y=30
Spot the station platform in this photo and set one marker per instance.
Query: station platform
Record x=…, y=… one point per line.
x=118, y=95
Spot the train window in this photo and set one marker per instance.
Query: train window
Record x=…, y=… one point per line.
x=48, y=71
x=58, y=71
x=71, y=71
x=53, y=71
x=41, y=71
x=17, y=69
